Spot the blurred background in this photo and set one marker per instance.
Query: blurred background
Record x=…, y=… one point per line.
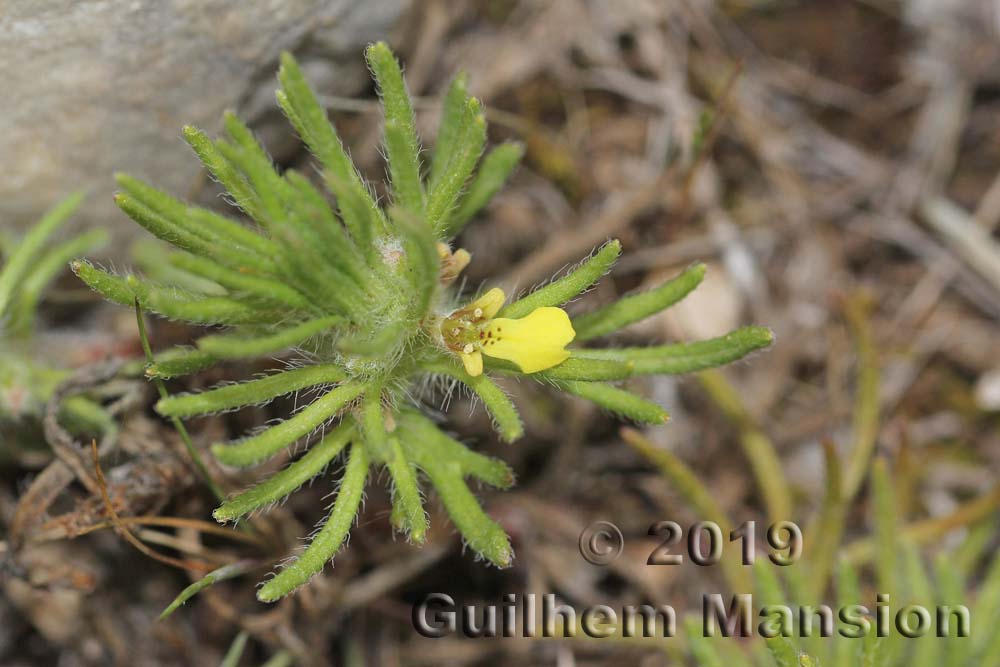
x=836, y=163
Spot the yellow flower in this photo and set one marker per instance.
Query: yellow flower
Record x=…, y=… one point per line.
x=534, y=342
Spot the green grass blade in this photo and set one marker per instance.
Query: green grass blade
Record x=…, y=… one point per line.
x=225, y=572
x=23, y=308
x=236, y=649
x=25, y=255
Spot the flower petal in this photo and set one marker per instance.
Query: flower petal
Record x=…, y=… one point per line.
x=473, y=363
x=534, y=342
x=490, y=303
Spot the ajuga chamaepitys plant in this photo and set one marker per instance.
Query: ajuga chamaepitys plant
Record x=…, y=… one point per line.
x=363, y=297
x=27, y=376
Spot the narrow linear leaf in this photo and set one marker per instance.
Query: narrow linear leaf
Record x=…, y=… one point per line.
x=175, y=304
x=25, y=255
x=616, y=400
x=330, y=537
x=579, y=368
x=569, y=286
x=23, y=308
x=225, y=572
x=443, y=198
x=450, y=127
x=299, y=103
x=494, y=171
x=256, y=448
x=680, y=476
x=112, y=287
x=637, y=307
x=481, y=533
x=179, y=361
x=758, y=448
x=402, y=144
x=686, y=357
x=500, y=407
x=272, y=291
x=406, y=502
x=427, y=434
x=289, y=479
x=866, y=420
x=226, y=173
x=823, y=543
x=235, y=346
x=235, y=652
x=196, y=221
x=252, y=392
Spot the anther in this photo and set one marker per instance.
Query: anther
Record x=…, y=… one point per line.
x=468, y=348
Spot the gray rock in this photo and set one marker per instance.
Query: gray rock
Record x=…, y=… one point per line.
x=91, y=88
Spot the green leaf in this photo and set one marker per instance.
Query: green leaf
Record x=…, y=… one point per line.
x=491, y=471
x=199, y=222
x=401, y=142
x=576, y=368
x=48, y=266
x=704, y=653
x=330, y=537
x=215, y=576
x=176, y=304
x=847, y=650
x=19, y=264
x=112, y=287
x=450, y=127
x=179, y=361
x=685, y=357
x=253, y=392
x=226, y=173
x=494, y=171
x=506, y=419
x=421, y=256
x=256, y=448
x=406, y=502
x=481, y=533
x=569, y=286
x=616, y=400
x=239, y=346
x=272, y=291
x=235, y=652
x=637, y=307
x=299, y=103
x=285, y=482
x=443, y=197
